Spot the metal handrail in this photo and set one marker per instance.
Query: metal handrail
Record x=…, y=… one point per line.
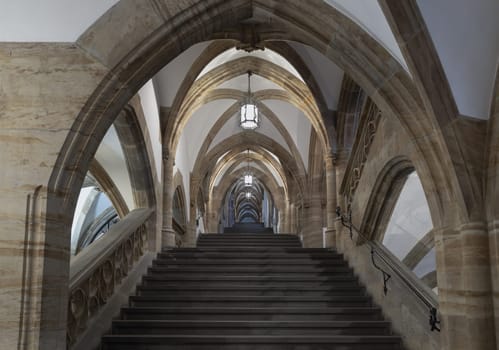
x=346, y=221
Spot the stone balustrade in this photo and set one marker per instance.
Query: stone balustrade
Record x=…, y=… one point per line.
x=99, y=269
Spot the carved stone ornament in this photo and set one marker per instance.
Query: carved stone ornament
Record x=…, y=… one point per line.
x=361, y=150
x=91, y=294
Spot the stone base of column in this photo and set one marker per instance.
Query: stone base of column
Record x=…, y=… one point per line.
x=330, y=237
x=168, y=238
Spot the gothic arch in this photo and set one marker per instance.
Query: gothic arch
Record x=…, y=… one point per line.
x=284, y=49
x=130, y=131
x=364, y=60
x=293, y=170
x=109, y=187
x=384, y=196
x=159, y=31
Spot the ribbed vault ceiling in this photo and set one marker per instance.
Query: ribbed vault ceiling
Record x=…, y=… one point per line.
x=210, y=142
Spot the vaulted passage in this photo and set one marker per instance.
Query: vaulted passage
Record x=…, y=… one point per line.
x=357, y=140
x=250, y=291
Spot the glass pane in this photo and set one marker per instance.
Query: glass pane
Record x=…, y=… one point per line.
x=410, y=220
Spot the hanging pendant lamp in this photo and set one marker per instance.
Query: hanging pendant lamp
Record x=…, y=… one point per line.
x=249, y=117
x=248, y=178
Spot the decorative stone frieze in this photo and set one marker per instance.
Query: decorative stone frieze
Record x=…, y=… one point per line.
x=95, y=284
x=365, y=135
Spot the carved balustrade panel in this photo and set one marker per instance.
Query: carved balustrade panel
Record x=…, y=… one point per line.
x=366, y=132
x=88, y=296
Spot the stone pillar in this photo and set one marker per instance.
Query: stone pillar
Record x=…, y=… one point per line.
x=494, y=265
x=293, y=218
x=190, y=234
x=167, y=232
x=465, y=292
x=312, y=222
x=331, y=201
x=211, y=217
x=38, y=190
x=340, y=164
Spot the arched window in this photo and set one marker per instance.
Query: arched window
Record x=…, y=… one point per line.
x=408, y=234
x=93, y=217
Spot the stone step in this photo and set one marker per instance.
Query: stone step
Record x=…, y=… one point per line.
x=250, y=240
x=175, y=327
x=247, y=237
x=251, y=269
x=202, y=289
x=255, y=280
x=250, y=292
x=250, y=255
x=272, y=250
x=205, y=342
x=249, y=262
x=250, y=301
x=249, y=245
x=253, y=313
x=328, y=276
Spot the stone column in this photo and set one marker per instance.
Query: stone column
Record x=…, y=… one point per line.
x=331, y=201
x=190, y=234
x=211, y=217
x=465, y=292
x=293, y=218
x=494, y=265
x=312, y=221
x=284, y=218
x=340, y=164
x=167, y=232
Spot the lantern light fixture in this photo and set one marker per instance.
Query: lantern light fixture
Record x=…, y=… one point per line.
x=248, y=178
x=249, y=115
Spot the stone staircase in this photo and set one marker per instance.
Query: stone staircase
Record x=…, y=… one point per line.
x=250, y=291
x=256, y=227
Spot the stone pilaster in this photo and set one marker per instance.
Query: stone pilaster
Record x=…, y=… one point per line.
x=39, y=103
x=340, y=164
x=465, y=291
x=211, y=217
x=331, y=201
x=312, y=224
x=284, y=218
x=167, y=232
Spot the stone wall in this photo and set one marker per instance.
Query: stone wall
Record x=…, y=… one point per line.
x=409, y=316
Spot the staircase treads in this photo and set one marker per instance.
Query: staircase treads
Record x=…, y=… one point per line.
x=253, y=313
x=236, y=238
x=245, y=260
x=249, y=255
x=257, y=269
x=250, y=291
x=294, y=250
x=233, y=289
x=249, y=279
x=125, y=342
x=200, y=327
x=248, y=301
x=248, y=262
